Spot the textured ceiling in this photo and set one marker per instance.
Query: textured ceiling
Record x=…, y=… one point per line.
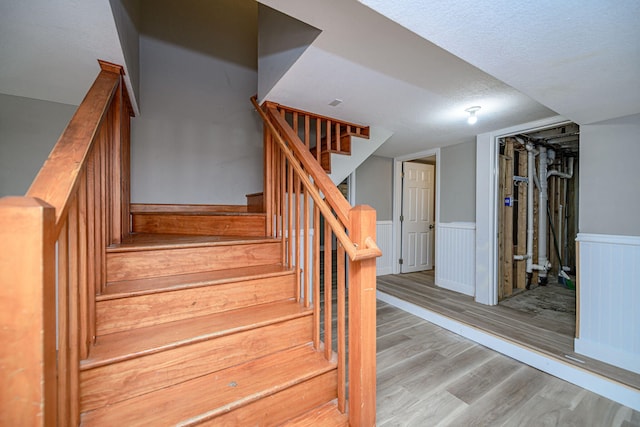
x=579, y=58
x=388, y=76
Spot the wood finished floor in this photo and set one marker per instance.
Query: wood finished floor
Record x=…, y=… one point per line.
x=428, y=376
x=537, y=331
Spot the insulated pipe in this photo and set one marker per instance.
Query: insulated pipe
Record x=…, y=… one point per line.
x=542, y=219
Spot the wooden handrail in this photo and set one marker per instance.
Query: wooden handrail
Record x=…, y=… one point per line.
x=336, y=200
x=58, y=178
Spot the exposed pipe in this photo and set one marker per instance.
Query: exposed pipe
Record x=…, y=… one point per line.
x=530, y=174
x=542, y=220
x=559, y=174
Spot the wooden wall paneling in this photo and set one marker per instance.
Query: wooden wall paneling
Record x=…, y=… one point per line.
x=28, y=313
x=328, y=272
x=521, y=266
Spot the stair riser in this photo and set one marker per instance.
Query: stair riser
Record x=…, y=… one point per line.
x=120, y=381
x=281, y=406
x=146, y=310
x=166, y=262
x=212, y=225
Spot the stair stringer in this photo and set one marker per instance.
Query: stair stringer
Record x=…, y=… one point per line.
x=342, y=166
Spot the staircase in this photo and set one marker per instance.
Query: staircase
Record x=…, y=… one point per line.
x=124, y=314
x=203, y=330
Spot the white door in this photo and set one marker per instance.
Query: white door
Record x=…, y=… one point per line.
x=417, y=217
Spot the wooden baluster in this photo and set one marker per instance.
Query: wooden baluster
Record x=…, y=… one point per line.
x=296, y=255
x=327, y=142
x=117, y=173
x=294, y=122
x=289, y=214
x=327, y=289
x=104, y=207
x=337, y=132
x=283, y=180
x=63, y=326
x=75, y=226
x=362, y=322
x=307, y=129
x=318, y=138
x=316, y=276
x=342, y=381
x=27, y=273
x=307, y=286
x=268, y=180
x=91, y=251
x=85, y=273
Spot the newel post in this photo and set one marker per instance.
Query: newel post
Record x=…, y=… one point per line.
x=362, y=322
x=27, y=313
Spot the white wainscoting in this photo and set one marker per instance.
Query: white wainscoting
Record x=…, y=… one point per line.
x=456, y=256
x=384, y=240
x=609, y=299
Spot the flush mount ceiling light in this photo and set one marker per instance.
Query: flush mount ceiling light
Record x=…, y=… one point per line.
x=472, y=114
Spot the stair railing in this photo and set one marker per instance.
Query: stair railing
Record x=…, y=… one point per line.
x=298, y=191
x=53, y=257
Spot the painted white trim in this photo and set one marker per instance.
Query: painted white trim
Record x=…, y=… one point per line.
x=397, y=200
x=351, y=185
x=612, y=239
x=486, y=204
x=605, y=387
x=458, y=225
x=384, y=264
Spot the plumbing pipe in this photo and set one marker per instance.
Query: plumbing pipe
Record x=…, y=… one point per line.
x=520, y=257
x=530, y=174
x=560, y=221
x=542, y=220
x=557, y=173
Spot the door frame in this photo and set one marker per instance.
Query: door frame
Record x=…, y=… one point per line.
x=397, y=203
x=486, y=207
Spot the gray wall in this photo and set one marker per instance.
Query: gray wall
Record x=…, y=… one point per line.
x=609, y=183
x=29, y=128
x=281, y=41
x=458, y=183
x=197, y=139
x=126, y=14
x=374, y=186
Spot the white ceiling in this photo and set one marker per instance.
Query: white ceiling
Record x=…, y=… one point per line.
x=580, y=59
x=48, y=48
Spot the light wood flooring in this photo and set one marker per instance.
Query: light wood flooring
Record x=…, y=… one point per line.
x=537, y=331
x=428, y=376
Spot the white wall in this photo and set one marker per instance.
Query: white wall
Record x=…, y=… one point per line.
x=197, y=139
x=29, y=128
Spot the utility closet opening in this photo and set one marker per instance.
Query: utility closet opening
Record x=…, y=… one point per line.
x=538, y=224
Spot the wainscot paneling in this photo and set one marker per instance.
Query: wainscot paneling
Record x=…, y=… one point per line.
x=456, y=256
x=609, y=297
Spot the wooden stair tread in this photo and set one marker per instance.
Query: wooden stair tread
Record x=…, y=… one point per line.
x=324, y=415
x=149, y=285
x=139, y=342
x=205, y=397
x=148, y=241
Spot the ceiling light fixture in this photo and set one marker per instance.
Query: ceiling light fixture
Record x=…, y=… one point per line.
x=472, y=119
